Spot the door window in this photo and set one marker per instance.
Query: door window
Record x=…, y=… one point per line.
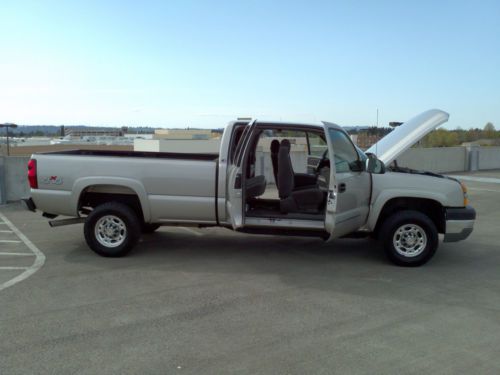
x=317, y=145
x=346, y=156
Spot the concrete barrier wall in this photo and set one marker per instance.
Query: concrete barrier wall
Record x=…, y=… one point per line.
x=3, y=192
x=437, y=159
x=13, y=175
x=177, y=145
x=14, y=184
x=264, y=166
x=489, y=158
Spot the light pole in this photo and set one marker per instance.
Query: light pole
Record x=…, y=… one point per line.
x=7, y=126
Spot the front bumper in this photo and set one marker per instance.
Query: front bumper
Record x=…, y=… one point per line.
x=459, y=223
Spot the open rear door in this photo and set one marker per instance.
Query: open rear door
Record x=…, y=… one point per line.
x=235, y=180
x=331, y=201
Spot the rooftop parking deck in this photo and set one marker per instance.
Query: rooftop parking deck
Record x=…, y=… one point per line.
x=211, y=301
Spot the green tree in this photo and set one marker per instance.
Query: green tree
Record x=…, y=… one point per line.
x=489, y=130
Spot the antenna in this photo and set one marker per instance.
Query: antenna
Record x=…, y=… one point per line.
x=376, y=135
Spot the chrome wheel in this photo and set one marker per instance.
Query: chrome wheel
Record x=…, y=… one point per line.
x=110, y=231
x=409, y=240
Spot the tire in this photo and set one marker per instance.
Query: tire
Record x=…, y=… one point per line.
x=410, y=238
x=149, y=228
x=112, y=229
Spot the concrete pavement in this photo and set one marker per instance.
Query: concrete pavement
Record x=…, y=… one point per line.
x=218, y=302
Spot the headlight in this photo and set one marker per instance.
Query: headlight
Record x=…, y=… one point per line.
x=466, y=196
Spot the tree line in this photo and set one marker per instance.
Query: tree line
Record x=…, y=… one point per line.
x=487, y=136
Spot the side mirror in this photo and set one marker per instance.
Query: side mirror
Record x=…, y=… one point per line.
x=374, y=165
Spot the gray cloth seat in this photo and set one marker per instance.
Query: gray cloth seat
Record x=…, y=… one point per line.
x=300, y=179
x=275, y=148
x=292, y=199
x=255, y=186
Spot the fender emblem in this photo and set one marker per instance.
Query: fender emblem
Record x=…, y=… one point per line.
x=52, y=180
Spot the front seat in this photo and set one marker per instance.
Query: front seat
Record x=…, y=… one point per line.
x=255, y=186
x=275, y=148
x=303, y=199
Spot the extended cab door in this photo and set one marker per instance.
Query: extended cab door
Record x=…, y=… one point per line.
x=331, y=200
x=235, y=177
x=352, y=184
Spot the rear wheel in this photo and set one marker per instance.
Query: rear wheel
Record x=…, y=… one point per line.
x=410, y=238
x=112, y=229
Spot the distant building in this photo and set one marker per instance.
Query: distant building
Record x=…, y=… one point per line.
x=186, y=134
x=90, y=132
x=178, y=145
x=395, y=124
x=364, y=140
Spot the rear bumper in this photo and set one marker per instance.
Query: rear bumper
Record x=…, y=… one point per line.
x=29, y=204
x=459, y=223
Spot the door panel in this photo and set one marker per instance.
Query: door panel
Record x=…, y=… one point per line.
x=353, y=201
x=331, y=201
x=352, y=187
x=236, y=180
x=234, y=203
x=312, y=163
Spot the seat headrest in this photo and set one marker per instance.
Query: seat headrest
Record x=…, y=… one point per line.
x=275, y=146
x=285, y=143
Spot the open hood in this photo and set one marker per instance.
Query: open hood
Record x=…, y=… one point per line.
x=406, y=135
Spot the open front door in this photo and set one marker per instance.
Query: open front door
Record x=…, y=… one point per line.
x=332, y=197
x=235, y=180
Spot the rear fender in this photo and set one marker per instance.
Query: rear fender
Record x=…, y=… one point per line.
x=83, y=183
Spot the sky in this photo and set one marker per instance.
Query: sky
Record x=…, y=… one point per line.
x=204, y=63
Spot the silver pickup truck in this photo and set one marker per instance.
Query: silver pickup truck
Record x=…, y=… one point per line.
x=335, y=190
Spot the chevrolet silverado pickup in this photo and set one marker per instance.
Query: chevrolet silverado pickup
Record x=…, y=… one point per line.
x=335, y=190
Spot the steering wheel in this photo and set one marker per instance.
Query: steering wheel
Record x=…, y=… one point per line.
x=322, y=162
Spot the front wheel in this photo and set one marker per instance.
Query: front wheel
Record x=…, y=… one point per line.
x=410, y=238
x=112, y=229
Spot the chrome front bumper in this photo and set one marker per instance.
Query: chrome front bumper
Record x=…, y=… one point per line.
x=459, y=223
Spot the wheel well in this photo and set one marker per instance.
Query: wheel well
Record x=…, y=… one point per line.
x=433, y=209
x=93, y=196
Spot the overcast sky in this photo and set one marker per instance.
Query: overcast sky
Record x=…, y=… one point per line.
x=194, y=63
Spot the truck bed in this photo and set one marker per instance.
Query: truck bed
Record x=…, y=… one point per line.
x=137, y=154
x=170, y=186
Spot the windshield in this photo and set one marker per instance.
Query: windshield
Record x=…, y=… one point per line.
x=362, y=155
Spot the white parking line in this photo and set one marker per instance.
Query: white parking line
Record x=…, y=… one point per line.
x=10, y=241
x=6, y=231
x=19, y=254
x=28, y=271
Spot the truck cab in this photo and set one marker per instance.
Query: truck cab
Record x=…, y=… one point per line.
x=304, y=196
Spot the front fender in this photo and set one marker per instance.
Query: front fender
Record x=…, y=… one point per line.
x=82, y=183
x=388, y=194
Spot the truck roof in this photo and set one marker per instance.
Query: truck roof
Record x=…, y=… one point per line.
x=285, y=124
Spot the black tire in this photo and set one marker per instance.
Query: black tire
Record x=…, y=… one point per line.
x=422, y=238
x=121, y=220
x=149, y=228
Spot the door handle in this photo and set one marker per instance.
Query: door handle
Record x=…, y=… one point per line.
x=342, y=187
x=237, y=181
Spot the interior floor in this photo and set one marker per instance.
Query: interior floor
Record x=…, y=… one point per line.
x=270, y=208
